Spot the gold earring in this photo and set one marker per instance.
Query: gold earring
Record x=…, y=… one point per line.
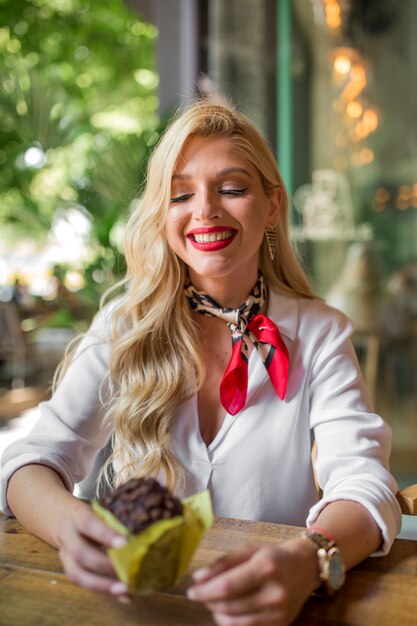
x=271, y=239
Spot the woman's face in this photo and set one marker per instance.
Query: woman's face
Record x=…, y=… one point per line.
x=218, y=213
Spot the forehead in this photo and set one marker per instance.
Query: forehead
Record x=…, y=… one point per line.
x=214, y=153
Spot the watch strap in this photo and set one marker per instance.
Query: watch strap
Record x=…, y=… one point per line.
x=326, y=550
x=319, y=539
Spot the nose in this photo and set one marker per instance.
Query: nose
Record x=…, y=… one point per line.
x=207, y=207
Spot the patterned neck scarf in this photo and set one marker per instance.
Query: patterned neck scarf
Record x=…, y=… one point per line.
x=246, y=324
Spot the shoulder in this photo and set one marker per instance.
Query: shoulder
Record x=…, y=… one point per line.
x=107, y=314
x=320, y=314
x=297, y=316
x=100, y=332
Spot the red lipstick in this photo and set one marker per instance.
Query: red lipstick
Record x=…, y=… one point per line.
x=198, y=237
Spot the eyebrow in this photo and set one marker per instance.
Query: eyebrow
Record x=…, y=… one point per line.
x=232, y=170
x=220, y=174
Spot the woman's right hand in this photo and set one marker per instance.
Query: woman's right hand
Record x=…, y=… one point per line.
x=82, y=541
x=72, y=526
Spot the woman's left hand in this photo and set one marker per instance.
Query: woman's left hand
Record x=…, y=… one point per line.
x=258, y=585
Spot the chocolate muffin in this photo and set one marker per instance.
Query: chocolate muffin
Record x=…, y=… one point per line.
x=141, y=502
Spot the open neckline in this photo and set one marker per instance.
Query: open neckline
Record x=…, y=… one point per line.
x=254, y=363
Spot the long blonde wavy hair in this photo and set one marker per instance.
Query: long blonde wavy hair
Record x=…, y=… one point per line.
x=156, y=363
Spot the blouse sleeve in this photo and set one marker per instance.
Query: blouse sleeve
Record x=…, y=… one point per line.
x=69, y=432
x=353, y=443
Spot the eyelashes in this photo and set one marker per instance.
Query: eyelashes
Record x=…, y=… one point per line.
x=234, y=192
x=182, y=198
x=225, y=192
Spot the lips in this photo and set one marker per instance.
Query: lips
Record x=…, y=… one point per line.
x=211, y=239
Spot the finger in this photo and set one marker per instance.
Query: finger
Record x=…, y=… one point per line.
x=91, y=581
x=124, y=599
x=87, y=556
x=224, y=563
x=94, y=528
x=267, y=597
x=235, y=582
x=86, y=552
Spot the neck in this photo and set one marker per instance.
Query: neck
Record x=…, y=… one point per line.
x=228, y=292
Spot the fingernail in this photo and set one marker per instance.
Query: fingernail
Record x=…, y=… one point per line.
x=191, y=594
x=201, y=573
x=124, y=599
x=118, y=588
x=119, y=542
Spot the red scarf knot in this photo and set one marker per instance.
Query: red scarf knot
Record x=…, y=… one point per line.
x=246, y=323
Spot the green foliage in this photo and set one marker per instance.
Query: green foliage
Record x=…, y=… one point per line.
x=77, y=116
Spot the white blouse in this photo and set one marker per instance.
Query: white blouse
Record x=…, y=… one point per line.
x=259, y=465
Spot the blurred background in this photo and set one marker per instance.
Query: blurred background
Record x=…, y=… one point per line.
x=86, y=89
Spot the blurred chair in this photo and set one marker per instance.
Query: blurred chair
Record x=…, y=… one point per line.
x=407, y=499
x=12, y=343
x=369, y=345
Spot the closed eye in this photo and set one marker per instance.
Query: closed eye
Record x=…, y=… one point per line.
x=234, y=192
x=182, y=198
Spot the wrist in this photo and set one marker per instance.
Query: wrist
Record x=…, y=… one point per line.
x=331, y=567
x=68, y=509
x=307, y=559
x=323, y=531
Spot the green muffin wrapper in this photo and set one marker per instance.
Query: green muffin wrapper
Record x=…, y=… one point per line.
x=158, y=557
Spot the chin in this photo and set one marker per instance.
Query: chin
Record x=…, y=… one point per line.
x=209, y=273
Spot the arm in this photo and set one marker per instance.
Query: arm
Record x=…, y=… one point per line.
x=39, y=471
x=353, y=443
x=270, y=585
x=39, y=500
x=33, y=491
x=356, y=533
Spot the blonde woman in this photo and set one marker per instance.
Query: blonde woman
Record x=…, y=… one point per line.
x=217, y=368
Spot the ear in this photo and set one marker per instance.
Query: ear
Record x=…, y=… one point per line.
x=274, y=206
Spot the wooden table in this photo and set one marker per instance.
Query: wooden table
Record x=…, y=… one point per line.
x=35, y=592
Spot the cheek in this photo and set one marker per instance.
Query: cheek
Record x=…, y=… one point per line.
x=174, y=226
x=253, y=218
x=178, y=216
x=177, y=212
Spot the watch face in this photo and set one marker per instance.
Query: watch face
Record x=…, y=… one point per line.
x=336, y=570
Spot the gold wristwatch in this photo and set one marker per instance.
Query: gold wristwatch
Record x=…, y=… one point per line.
x=332, y=572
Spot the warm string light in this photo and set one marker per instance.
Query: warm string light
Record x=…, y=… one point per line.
x=358, y=118
x=342, y=64
x=332, y=14
x=354, y=109
x=349, y=72
x=403, y=199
